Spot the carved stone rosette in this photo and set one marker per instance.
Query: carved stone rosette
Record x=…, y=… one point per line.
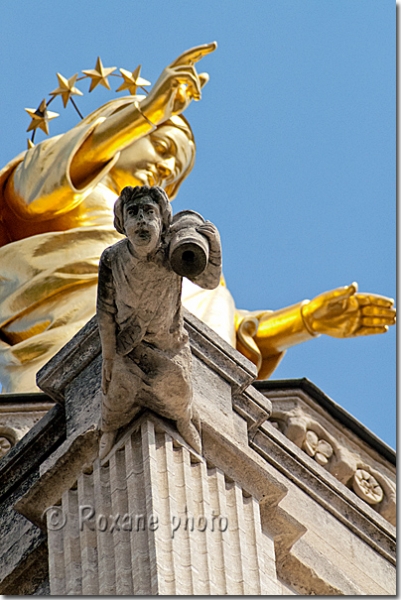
x=352, y=466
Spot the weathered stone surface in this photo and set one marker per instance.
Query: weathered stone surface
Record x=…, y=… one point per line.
x=23, y=560
x=43, y=588
x=18, y=414
x=283, y=486
x=336, y=441
x=79, y=352
x=146, y=357
x=316, y=536
x=317, y=402
x=84, y=347
x=197, y=532
x=30, y=575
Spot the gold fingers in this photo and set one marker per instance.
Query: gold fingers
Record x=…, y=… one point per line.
x=195, y=54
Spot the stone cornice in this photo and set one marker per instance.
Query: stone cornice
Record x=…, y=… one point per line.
x=32, y=449
x=324, y=488
x=340, y=445
x=332, y=408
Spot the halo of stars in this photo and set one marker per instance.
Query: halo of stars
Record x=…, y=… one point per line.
x=66, y=89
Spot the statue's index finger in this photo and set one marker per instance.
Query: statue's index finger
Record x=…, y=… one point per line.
x=193, y=55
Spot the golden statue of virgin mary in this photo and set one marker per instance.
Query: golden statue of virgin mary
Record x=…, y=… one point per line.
x=56, y=218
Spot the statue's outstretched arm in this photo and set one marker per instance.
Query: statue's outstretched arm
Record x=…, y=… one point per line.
x=176, y=87
x=340, y=313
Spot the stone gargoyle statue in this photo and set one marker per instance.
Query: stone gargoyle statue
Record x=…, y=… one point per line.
x=145, y=348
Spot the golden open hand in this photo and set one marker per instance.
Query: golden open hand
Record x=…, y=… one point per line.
x=177, y=86
x=345, y=313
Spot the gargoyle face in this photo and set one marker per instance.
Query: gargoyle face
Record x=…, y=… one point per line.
x=143, y=224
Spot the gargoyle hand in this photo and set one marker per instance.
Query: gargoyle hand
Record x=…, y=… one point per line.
x=107, y=369
x=211, y=232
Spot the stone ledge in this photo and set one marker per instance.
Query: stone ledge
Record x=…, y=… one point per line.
x=25, y=402
x=32, y=449
x=84, y=347
x=70, y=360
x=324, y=488
x=336, y=441
x=30, y=573
x=23, y=556
x=219, y=355
x=335, y=410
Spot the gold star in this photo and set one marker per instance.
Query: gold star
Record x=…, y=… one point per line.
x=99, y=75
x=66, y=88
x=132, y=80
x=40, y=117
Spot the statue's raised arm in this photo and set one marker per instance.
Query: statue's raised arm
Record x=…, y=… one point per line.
x=42, y=190
x=175, y=89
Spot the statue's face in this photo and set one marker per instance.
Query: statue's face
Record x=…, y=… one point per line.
x=156, y=159
x=143, y=224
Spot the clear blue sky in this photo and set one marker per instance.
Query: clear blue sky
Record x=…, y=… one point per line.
x=296, y=147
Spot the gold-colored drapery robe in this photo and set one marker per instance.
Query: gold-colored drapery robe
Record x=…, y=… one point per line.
x=48, y=278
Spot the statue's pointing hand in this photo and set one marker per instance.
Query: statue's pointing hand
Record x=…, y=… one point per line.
x=194, y=55
x=177, y=86
x=345, y=313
